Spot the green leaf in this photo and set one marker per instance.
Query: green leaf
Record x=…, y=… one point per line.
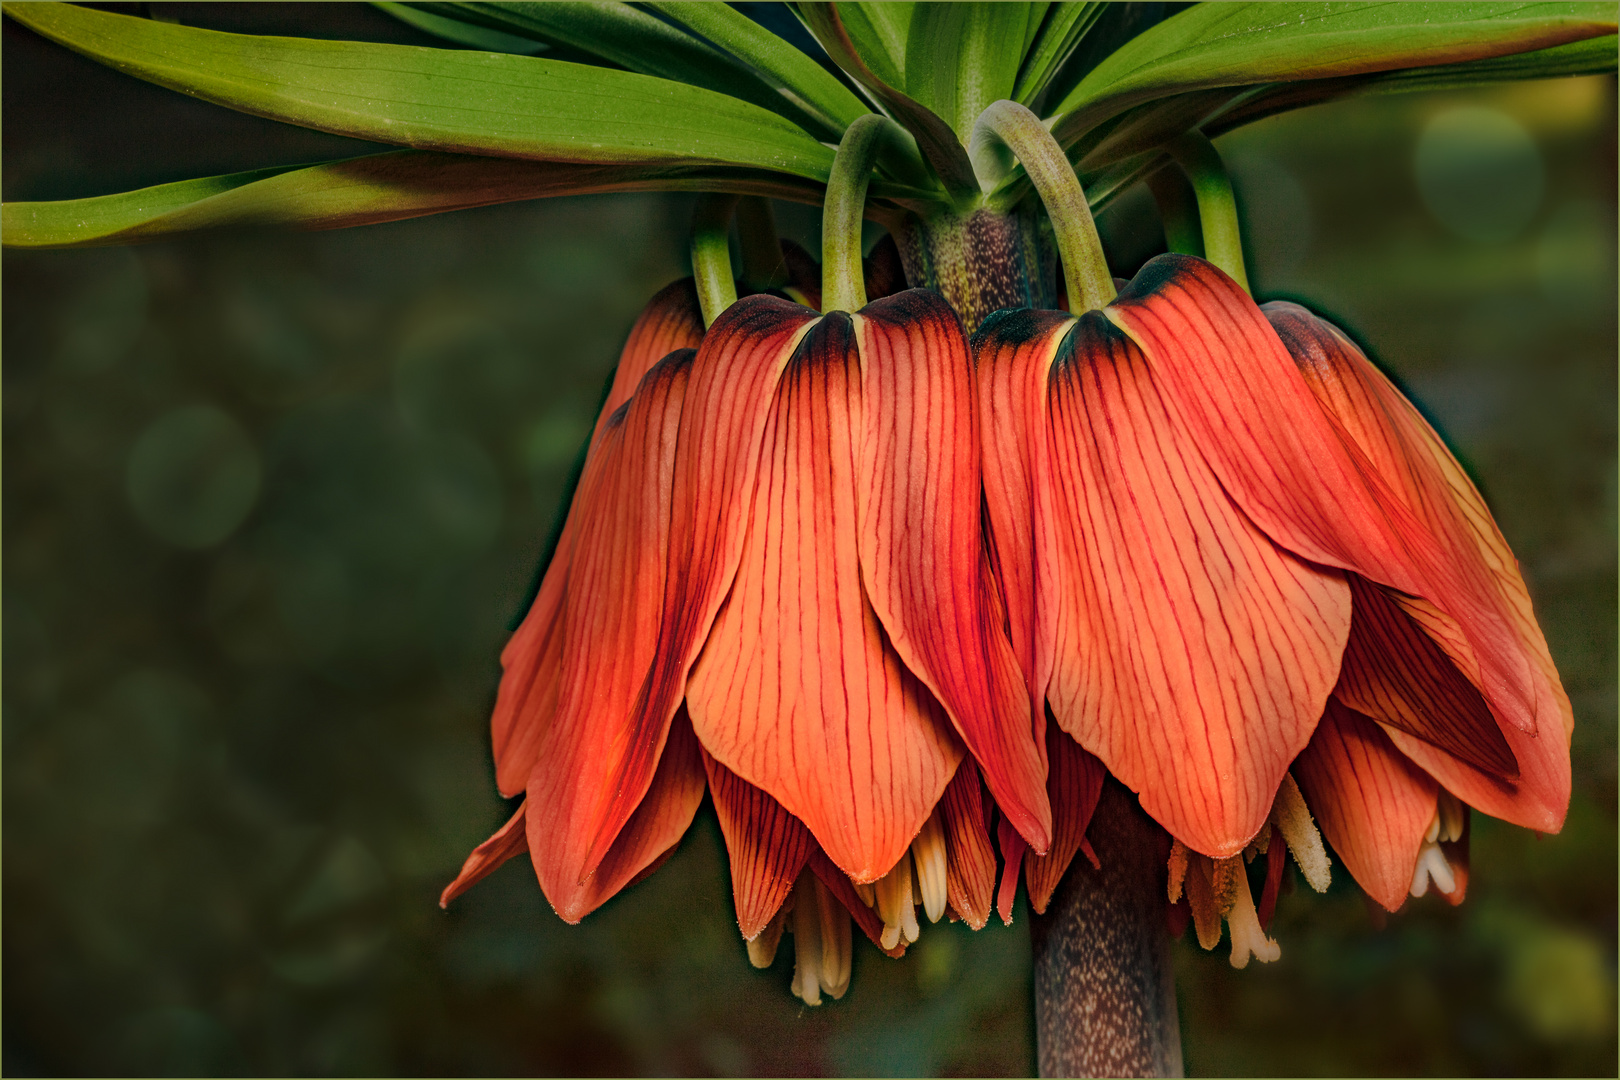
x=1213, y=45
x=440, y=99
x=462, y=33
x=963, y=56
x=1594, y=56
x=793, y=73
x=880, y=32
x=637, y=41
x=1113, y=26
x=935, y=139
x=376, y=188
x=1065, y=25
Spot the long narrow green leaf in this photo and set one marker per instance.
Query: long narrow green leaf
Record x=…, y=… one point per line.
x=964, y=56
x=1594, y=56
x=1115, y=24
x=637, y=41
x=1065, y=25
x=462, y=33
x=785, y=67
x=441, y=99
x=1213, y=45
x=934, y=136
x=367, y=190
x=879, y=33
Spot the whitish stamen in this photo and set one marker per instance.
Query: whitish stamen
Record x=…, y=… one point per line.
x=762, y=950
x=1433, y=832
x=1453, y=815
x=835, y=941
x=1431, y=864
x=1178, y=869
x=928, y=855
x=864, y=890
x=1293, y=820
x=1247, y=937
x=894, y=904
x=807, y=951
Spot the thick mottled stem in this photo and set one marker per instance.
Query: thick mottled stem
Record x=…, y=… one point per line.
x=1105, y=995
x=1217, y=209
x=843, y=282
x=711, y=254
x=980, y=262
x=1010, y=125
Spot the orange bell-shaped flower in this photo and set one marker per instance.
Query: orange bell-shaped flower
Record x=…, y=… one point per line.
x=1208, y=536
x=773, y=579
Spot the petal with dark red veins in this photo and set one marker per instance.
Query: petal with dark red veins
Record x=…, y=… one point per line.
x=1396, y=674
x=1373, y=804
x=918, y=497
x=1013, y=850
x=671, y=320
x=1075, y=785
x=610, y=627
x=649, y=837
x=797, y=689
x=609, y=761
x=1417, y=465
x=527, y=699
x=970, y=861
x=1194, y=655
x=767, y=846
x=1293, y=467
x=1013, y=354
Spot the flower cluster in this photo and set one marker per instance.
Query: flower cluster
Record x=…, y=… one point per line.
x=885, y=592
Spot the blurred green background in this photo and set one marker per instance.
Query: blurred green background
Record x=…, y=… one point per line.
x=272, y=501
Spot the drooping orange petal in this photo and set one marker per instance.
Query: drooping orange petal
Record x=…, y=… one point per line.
x=610, y=626
x=767, y=846
x=1194, y=655
x=1013, y=850
x=970, y=861
x=1293, y=467
x=1075, y=785
x=1373, y=804
x=660, y=819
x=918, y=497
x=1410, y=456
x=527, y=699
x=508, y=841
x=797, y=689
x=1013, y=353
x=671, y=320
x=647, y=839
x=732, y=384
x=1396, y=674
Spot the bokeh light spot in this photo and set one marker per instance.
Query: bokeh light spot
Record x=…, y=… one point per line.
x=192, y=476
x=1480, y=173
